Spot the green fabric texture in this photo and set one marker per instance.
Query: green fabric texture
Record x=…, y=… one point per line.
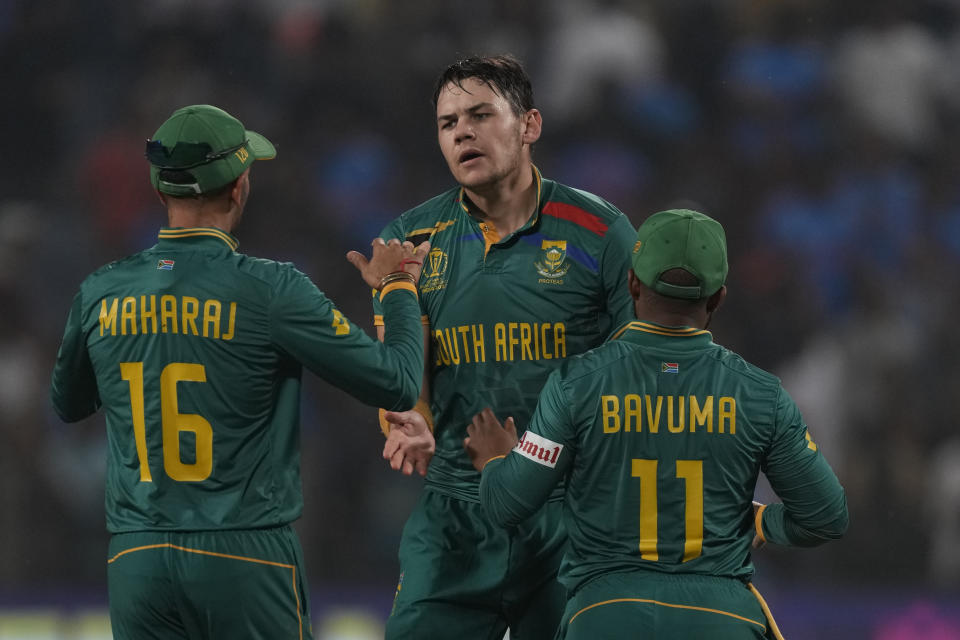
x=171, y=585
x=501, y=319
x=195, y=353
x=663, y=434
x=462, y=575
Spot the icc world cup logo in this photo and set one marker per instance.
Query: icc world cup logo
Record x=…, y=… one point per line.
x=434, y=268
x=436, y=263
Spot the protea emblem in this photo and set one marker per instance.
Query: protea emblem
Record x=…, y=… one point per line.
x=552, y=263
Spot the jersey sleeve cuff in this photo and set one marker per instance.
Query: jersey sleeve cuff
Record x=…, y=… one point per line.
x=394, y=286
x=500, y=457
x=758, y=523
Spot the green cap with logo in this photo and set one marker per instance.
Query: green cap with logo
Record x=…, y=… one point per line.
x=681, y=239
x=208, y=146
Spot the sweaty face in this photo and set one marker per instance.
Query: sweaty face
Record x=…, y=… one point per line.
x=480, y=137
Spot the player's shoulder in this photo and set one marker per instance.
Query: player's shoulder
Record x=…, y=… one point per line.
x=738, y=365
x=270, y=272
x=114, y=269
x=589, y=363
x=424, y=218
x=579, y=206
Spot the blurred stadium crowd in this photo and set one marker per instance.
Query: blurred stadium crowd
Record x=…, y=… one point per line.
x=825, y=135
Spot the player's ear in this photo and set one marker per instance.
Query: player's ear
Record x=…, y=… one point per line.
x=240, y=190
x=714, y=301
x=633, y=282
x=532, y=126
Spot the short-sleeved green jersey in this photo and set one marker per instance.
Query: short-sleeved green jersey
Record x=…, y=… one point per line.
x=661, y=434
x=194, y=351
x=504, y=312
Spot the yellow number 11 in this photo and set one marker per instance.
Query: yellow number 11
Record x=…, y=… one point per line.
x=691, y=472
x=172, y=420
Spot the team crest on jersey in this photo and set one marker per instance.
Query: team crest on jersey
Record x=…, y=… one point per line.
x=552, y=264
x=434, y=271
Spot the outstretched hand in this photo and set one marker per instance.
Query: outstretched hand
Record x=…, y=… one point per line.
x=487, y=439
x=389, y=257
x=410, y=444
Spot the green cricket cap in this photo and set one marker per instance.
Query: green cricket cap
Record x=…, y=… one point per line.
x=681, y=239
x=206, y=143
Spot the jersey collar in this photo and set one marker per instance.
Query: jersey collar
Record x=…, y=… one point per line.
x=490, y=234
x=466, y=205
x=196, y=236
x=647, y=333
x=536, y=212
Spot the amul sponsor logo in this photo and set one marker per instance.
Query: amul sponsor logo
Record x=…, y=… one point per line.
x=539, y=449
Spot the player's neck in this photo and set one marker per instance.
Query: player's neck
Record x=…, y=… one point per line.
x=508, y=203
x=189, y=216
x=666, y=318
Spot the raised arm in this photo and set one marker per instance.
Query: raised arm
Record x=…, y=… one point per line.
x=305, y=324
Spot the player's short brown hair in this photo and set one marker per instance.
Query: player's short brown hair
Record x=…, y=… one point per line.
x=503, y=74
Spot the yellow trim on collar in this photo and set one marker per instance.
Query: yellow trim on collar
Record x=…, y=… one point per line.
x=646, y=327
x=490, y=236
x=539, y=179
x=487, y=235
x=174, y=234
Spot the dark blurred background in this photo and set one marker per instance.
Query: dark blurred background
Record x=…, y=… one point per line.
x=824, y=135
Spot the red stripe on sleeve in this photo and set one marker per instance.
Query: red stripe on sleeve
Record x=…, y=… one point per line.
x=575, y=215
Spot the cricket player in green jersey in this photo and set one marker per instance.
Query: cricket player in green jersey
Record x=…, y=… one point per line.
x=522, y=273
x=659, y=436
x=194, y=351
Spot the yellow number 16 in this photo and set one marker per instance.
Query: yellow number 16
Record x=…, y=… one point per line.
x=172, y=420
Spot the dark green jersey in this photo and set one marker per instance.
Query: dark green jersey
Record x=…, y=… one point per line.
x=663, y=434
x=504, y=312
x=194, y=351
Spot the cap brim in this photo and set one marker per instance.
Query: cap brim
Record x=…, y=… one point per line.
x=261, y=148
